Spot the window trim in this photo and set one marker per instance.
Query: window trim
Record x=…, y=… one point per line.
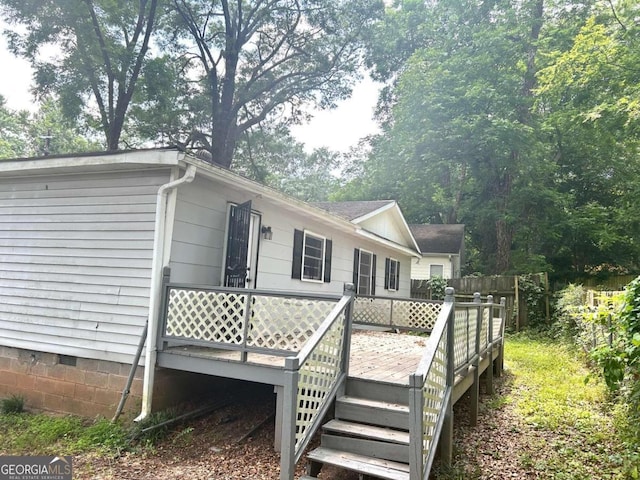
x=322, y=259
x=395, y=276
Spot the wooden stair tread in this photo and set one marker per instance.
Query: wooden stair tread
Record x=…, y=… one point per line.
x=365, y=402
x=360, y=463
x=367, y=431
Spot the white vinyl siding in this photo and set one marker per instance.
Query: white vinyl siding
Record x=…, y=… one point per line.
x=75, y=261
x=199, y=233
x=197, y=249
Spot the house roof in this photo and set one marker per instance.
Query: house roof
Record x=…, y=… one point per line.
x=172, y=157
x=362, y=213
x=438, y=238
x=355, y=209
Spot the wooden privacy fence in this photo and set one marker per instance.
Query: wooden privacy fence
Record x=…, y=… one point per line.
x=506, y=286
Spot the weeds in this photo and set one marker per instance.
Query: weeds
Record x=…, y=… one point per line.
x=13, y=404
x=42, y=434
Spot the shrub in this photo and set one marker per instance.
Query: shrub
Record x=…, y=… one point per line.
x=437, y=285
x=13, y=404
x=569, y=308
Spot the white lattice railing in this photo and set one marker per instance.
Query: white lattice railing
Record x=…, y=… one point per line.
x=430, y=393
x=466, y=333
x=461, y=333
x=313, y=379
x=404, y=314
x=244, y=320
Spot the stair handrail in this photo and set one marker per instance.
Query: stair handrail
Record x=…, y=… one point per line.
x=307, y=398
x=430, y=394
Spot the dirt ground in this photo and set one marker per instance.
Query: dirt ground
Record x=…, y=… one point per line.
x=215, y=448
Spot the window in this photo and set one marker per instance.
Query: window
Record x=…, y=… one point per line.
x=436, y=271
x=364, y=272
x=391, y=274
x=311, y=257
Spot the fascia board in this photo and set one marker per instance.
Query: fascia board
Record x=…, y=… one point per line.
x=388, y=243
x=372, y=214
x=132, y=158
x=398, y=213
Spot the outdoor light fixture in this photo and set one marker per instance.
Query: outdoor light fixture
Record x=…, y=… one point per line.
x=267, y=234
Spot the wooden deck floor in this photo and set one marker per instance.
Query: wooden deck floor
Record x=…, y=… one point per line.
x=385, y=357
x=381, y=356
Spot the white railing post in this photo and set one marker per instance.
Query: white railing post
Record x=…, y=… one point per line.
x=416, y=426
x=489, y=374
x=349, y=290
x=503, y=320
x=446, y=436
x=475, y=363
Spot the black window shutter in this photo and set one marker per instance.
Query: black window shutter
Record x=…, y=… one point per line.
x=387, y=265
x=356, y=264
x=373, y=276
x=398, y=275
x=328, y=246
x=296, y=264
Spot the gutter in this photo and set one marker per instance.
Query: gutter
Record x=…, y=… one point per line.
x=156, y=285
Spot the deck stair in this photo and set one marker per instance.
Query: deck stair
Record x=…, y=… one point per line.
x=369, y=433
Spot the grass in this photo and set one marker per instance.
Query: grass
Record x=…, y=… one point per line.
x=555, y=394
x=551, y=418
x=42, y=434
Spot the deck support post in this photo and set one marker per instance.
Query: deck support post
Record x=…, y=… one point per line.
x=289, y=407
x=277, y=440
x=446, y=435
x=488, y=379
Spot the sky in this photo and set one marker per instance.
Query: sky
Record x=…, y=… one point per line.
x=338, y=129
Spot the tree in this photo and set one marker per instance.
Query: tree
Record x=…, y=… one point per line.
x=274, y=158
x=102, y=48
x=462, y=138
x=12, y=139
x=44, y=132
x=590, y=95
x=265, y=59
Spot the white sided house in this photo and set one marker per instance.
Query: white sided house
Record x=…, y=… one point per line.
x=85, y=241
x=442, y=251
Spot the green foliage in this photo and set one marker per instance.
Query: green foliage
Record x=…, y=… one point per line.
x=610, y=332
x=104, y=436
x=569, y=308
x=274, y=158
x=620, y=358
x=21, y=133
x=531, y=289
x=100, y=47
x=40, y=434
x=437, y=286
x=576, y=416
x=12, y=404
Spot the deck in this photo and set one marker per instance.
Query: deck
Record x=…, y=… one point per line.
x=311, y=349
